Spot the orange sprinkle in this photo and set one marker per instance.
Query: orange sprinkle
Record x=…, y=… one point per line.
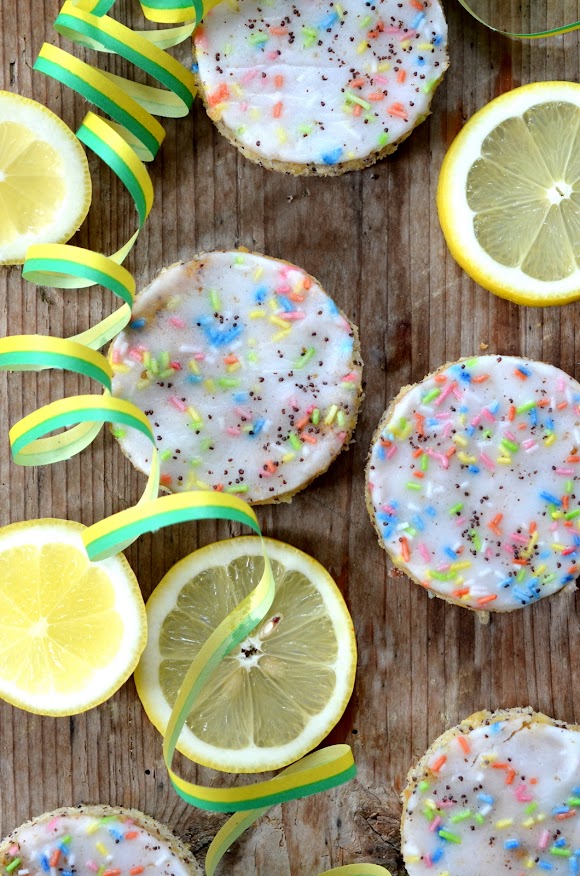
x=565, y=502
x=278, y=80
x=310, y=439
x=520, y=374
x=572, y=570
x=397, y=110
x=406, y=553
x=463, y=592
x=512, y=413
x=562, y=405
x=522, y=426
x=563, y=815
x=494, y=524
x=401, y=76
x=500, y=766
x=485, y=599
x=165, y=479
x=132, y=834
x=54, y=858
x=134, y=871
x=573, y=459
x=481, y=378
x=112, y=872
x=451, y=452
x=357, y=109
x=464, y=744
x=356, y=83
x=307, y=283
x=231, y=359
x=440, y=378
x=437, y=764
x=219, y=488
x=521, y=561
x=418, y=474
x=543, y=403
x=417, y=453
x=376, y=95
x=420, y=421
x=532, y=527
x=416, y=4
x=269, y=466
x=220, y=94
x=277, y=111
x=533, y=781
x=294, y=296
x=278, y=31
x=511, y=774
x=301, y=423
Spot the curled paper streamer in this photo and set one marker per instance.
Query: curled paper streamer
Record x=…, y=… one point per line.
x=497, y=23
x=131, y=136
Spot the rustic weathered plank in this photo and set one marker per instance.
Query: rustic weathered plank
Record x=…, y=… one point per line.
x=374, y=241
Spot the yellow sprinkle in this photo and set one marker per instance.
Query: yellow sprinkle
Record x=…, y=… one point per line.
x=530, y=864
x=338, y=8
x=201, y=485
x=209, y=385
x=252, y=357
x=252, y=342
x=258, y=273
x=288, y=457
x=142, y=384
x=194, y=415
x=257, y=314
x=531, y=545
x=541, y=569
x=456, y=567
x=120, y=368
x=235, y=366
x=425, y=46
x=173, y=302
x=237, y=89
x=462, y=419
x=414, y=859
x=489, y=758
x=273, y=304
x=504, y=822
x=282, y=135
x=459, y=439
x=405, y=44
x=279, y=336
x=466, y=458
x=557, y=547
x=529, y=822
x=384, y=66
x=100, y=847
x=255, y=113
x=504, y=460
x=362, y=47
x=281, y=323
x=193, y=366
x=549, y=440
x=93, y=828
x=332, y=411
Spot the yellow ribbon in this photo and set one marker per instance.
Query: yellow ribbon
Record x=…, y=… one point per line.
x=133, y=135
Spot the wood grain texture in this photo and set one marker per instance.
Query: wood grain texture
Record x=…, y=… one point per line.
x=373, y=240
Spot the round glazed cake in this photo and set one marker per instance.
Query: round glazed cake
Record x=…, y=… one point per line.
x=90, y=840
x=248, y=372
x=319, y=87
x=472, y=482
x=499, y=794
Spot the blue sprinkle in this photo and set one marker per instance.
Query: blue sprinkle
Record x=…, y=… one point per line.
x=332, y=308
x=576, y=539
x=261, y=294
x=381, y=453
x=194, y=378
x=44, y=863
x=223, y=338
x=507, y=582
x=116, y=833
x=533, y=415
x=559, y=810
x=576, y=791
x=332, y=157
x=137, y=323
x=544, y=865
x=511, y=844
x=240, y=397
x=430, y=510
x=493, y=408
x=437, y=855
x=465, y=376
x=418, y=20
x=384, y=515
x=432, y=421
x=438, y=40
x=463, y=409
x=550, y=424
x=417, y=523
x=521, y=595
x=330, y=19
x=67, y=873
x=553, y=500
x=195, y=65
x=560, y=843
x=545, y=554
x=474, y=469
x=420, y=61
x=573, y=865
x=470, y=430
x=525, y=371
x=486, y=798
x=495, y=728
x=285, y=302
x=258, y=426
x=450, y=553
x=567, y=578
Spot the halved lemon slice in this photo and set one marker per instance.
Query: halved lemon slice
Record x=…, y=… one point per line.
x=279, y=693
x=72, y=630
x=509, y=195
x=45, y=186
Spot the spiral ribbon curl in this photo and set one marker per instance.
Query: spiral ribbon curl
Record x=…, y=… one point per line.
x=497, y=24
x=132, y=136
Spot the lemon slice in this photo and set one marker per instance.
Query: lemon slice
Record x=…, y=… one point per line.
x=45, y=187
x=509, y=195
x=279, y=693
x=72, y=630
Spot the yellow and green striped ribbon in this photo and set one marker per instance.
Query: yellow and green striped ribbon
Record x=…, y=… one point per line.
x=497, y=25
x=130, y=136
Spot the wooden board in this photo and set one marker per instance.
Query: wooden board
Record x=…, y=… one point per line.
x=373, y=240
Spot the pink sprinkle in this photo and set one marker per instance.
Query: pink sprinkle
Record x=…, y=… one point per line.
x=445, y=804
x=443, y=567
x=283, y=289
x=247, y=77
x=345, y=324
x=351, y=378
x=476, y=420
x=244, y=106
x=177, y=403
x=92, y=866
x=523, y=795
x=116, y=357
x=175, y=365
x=564, y=471
x=487, y=461
x=233, y=430
x=460, y=521
x=53, y=823
x=511, y=436
x=177, y=321
x=428, y=861
x=489, y=553
x=519, y=539
x=264, y=473
x=391, y=451
x=443, y=415
x=529, y=442
x=544, y=839
x=272, y=56
x=447, y=429
x=136, y=355
x=435, y=824
x=444, y=393
x=424, y=552
x=199, y=357
x=342, y=437
x=554, y=527
x=440, y=457
x=291, y=315
x=242, y=414
x=560, y=385
x=378, y=78
x=508, y=548
x=457, y=392
x=13, y=850
x=488, y=415
x=388, y=509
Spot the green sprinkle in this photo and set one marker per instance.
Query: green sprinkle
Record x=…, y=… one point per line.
x=451, y=837
x=531, y=807
x=227, y=382
x=383, y=138
x=164, y=359
x=528, y=406
x=366, y=21
x=413, y=485
x=252, y=356
x=431, y=395
x=206, y=443
x=195, y=461
x=237, y=488
x=305, y=358
x=456, y=508
x=424, y=462
x=258, y=39
x=354, y=98
x=521, y=576
x=305, y=130
x=309, y=35
x=13, y=865
x=424, y=786
x=315, y=416
x=166, y=455
x=295, y=441
x=549, y=578
x=475, y=539
x=461, y=816
x=441, y=576
x=568, y=487
x=169, y=372
x=479, y=818
x=573, y=801
x=469, y=363
x=118, y=432
x=340, y=419
x=556, y=850
x=215, y=299
x=509, y=445
x=428, y=813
